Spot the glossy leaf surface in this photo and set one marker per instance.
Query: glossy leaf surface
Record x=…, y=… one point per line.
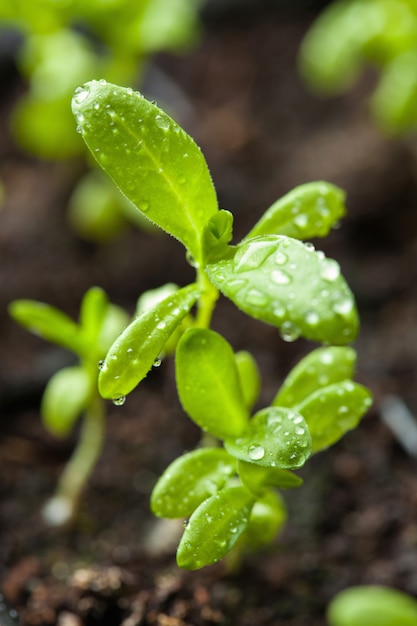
x=48, y=322
x=65, y=397
x=214, y=528
x=258, y=478
x=285, y=283
x=307, y=211
x=374, y=606
x=133, y=353
x=151, y=159
x=267, y=517
x=191, y=479
x=332, y=411
x=208, y=383
x=320, y=368
x=276, y=437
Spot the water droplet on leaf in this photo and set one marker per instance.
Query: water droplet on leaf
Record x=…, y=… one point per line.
x=279, y=277
x=119, y=401
x=81, y=93
x=289, y=331
x=256, y=452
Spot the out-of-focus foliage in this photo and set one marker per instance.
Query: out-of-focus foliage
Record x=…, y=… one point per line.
x=353, y=34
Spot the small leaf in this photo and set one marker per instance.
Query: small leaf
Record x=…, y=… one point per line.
x=214, y=528
x=307, y=211
x=267, y=517
x=372, y=605
x=153, y=161
x=257, y=478
x=331, y=411
x=191, y=479
x=208, y=383
x=276, y=437
x=320, y=368
x=49, y=323
x=285, y=283
x=115, y=321
x=65, y=397
x=92, y=313
x=249, y=376
x=218, y=232
x=133, y=353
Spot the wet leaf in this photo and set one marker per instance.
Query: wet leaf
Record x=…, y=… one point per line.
x=66, y=396
x=307, y=211
x=214, y=528
x=208, y=383
x=276, y=437
x=332, y=411
x=191, y=479
x=151, y=159
x=249, y=376
x=133, y=353
x=285, y=283
x=320, y=368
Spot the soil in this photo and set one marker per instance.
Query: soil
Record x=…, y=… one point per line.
x=354, y=521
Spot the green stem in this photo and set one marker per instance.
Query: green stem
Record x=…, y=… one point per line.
x=64, y=504
x=207, y=301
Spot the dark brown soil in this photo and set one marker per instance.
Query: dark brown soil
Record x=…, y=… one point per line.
x=355, y=518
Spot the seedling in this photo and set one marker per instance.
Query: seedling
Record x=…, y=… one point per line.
x=72, y=391
x=353, y=34
x=373, y=606
x=227, y=493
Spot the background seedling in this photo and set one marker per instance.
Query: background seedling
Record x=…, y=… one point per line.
x=72, y=391
x=272, y=276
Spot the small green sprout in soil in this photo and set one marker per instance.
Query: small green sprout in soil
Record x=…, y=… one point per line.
x=226, y=492
x=72, y=391
x=351, y=35
x=373, y=606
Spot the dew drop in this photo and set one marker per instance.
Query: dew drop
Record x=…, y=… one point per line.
x=309, y=246
x=289, y=331
x=279, y=277
x=162, y=122
x=252, y=256
x=281, y=258
x=256, y=297
x=119, y=401
x=312, y=318
x=157, y=362
x=299, y=430
x=100, y=364
x=344, y=306
x=330, y=270
x=256, y=452
x=81, y=93
x=144, y=206
x=342, y=410
x=96, y=106
x=301, y=220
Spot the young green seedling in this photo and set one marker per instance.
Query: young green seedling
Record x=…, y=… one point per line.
x=228, y=493
x=72, y=391
x=353, y=34
x=372, y=605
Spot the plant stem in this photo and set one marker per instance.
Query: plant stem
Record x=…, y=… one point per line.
x=207, y=301
x=62, y=507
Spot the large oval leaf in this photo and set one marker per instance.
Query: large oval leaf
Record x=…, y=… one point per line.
x=153, y=161
x=66, y=395
x=288, y=284
x=191, y=479
x=214, y=528
x=133, y=353
x=320, y=368
x=307, y=211
x=276, y=437
x=208, y=383
x=332, y=411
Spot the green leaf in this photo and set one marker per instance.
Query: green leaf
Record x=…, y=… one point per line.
x=332, y=411
x=92, y=313
x=257, y=478
x=285, y=283
x=191, y=479
x=320, y=368
x=65, y=397
x=372, y=605
x=49, y=323
x=218, y=232
x=133, y=353
x=208, y=383
x=249, y=376
x=276, y=437
x=153, y=161
x=214, y=528
x=267, y=517
x=307, y=211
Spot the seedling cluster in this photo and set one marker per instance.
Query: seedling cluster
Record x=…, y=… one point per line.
x=226, y=491
x=353, y=34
